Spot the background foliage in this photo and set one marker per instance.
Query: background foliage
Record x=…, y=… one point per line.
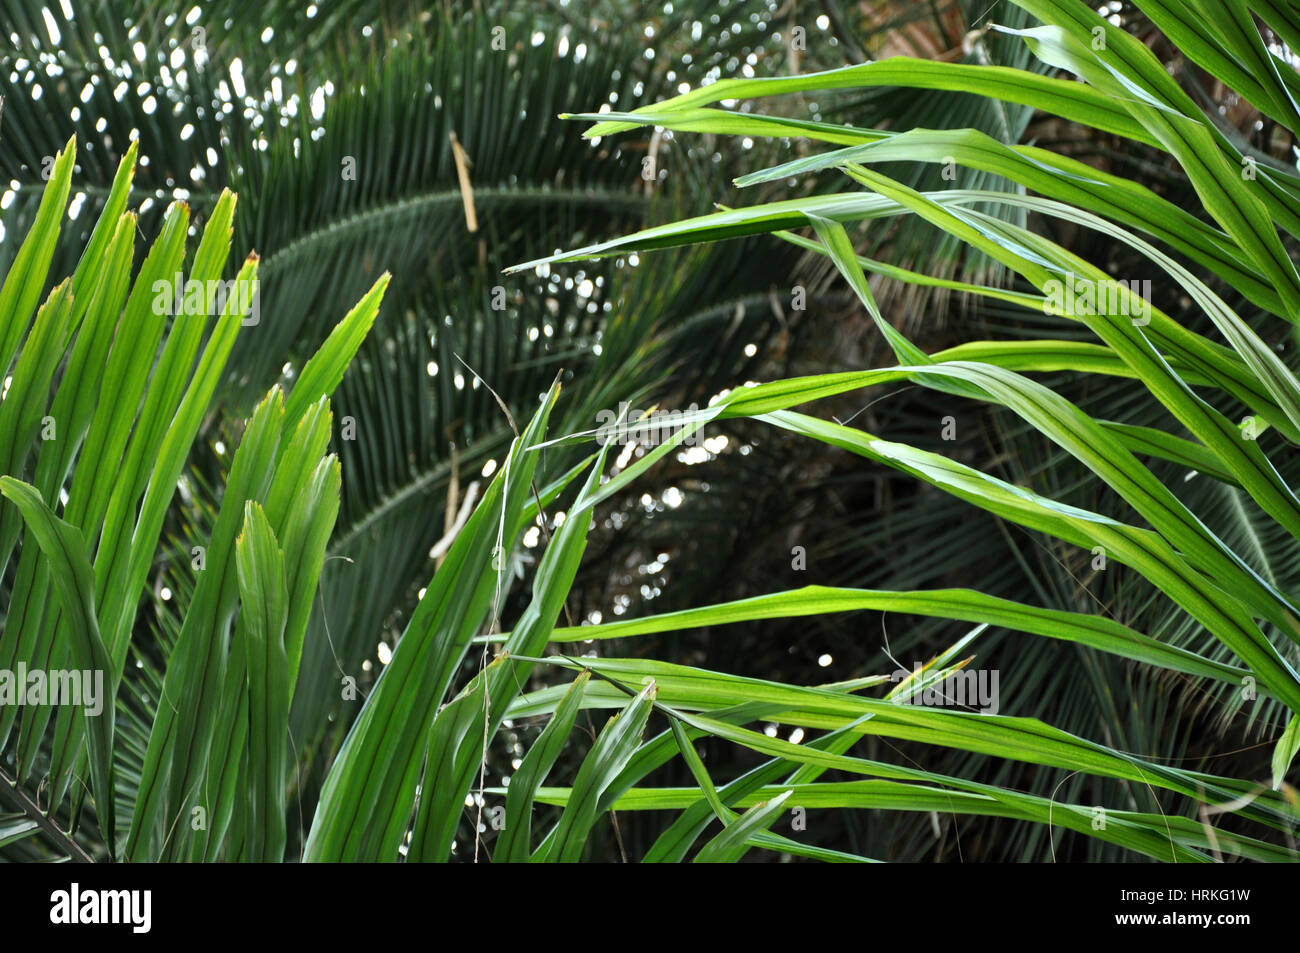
x=275, y=109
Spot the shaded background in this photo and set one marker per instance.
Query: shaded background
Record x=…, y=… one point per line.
x=335, y=125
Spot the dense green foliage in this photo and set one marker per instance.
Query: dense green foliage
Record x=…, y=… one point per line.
x=1132, y=320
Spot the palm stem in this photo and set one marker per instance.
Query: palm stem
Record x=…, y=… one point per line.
x=33, y=810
